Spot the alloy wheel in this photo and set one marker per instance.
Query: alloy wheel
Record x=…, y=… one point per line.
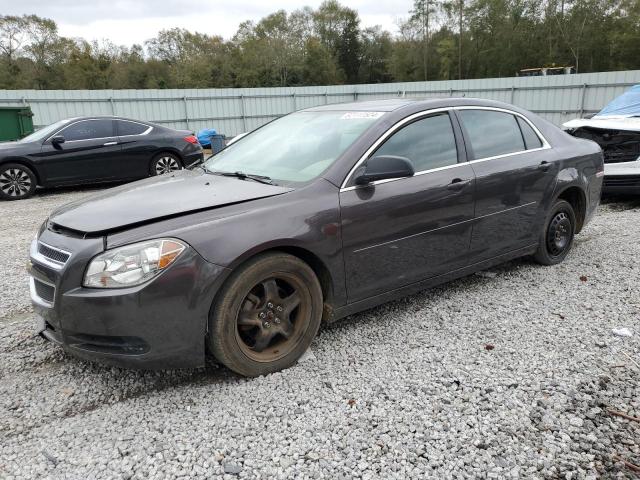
x=15, y=182
x=166, y=165
x=273, y=317
x=559, y=234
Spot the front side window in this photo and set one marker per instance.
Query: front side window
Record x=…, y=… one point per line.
x=295, y=148
x=428, y=143
x=130, y=128
x=88, y=129
x=492, y=133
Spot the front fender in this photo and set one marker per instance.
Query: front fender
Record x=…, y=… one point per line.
x=307, y=219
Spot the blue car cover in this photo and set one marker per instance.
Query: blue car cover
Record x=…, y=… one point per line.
x=627, y=104
x=204, y=136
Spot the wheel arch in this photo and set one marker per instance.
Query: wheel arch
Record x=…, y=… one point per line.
x=162, y=151
x=577, y=198
x=318, y=266
x=26, y=163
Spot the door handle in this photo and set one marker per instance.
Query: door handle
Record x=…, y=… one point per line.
x=458, y=184
x=544, y=166
x=109, y=144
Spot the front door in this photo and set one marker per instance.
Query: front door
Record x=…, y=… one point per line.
x=88, y=153
x=405, y=230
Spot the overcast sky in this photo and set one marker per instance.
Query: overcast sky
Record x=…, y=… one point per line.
x=126, y=22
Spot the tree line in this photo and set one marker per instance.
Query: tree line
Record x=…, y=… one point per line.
x=436, y=40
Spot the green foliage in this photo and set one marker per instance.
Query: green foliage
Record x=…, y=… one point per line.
x=438, y=40
x=319, y=65
x=338, y=29
x=376, y=49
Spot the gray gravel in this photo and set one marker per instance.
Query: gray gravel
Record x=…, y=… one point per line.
x=502, y=375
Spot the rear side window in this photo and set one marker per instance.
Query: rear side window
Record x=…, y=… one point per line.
x=130, y=128
x=428, y=143
x=492, y=133
x=531, y=138
x=88, y=129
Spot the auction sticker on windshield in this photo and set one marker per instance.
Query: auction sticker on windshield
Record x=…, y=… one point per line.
x=359, y=115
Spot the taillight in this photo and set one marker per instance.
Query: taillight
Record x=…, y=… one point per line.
x=191, y=139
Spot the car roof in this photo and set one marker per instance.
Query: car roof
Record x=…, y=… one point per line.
x=112, y=117
x=391, y=105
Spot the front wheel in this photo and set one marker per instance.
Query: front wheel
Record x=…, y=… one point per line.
x=165, y=163
x=266, y=315
x=16, y=181
x=557, y=238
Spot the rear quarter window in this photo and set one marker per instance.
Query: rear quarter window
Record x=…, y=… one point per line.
x=531, y=138
x=130, y=128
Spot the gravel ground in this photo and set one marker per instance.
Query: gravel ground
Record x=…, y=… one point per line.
x=507, y=374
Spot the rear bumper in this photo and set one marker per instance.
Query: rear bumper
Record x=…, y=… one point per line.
x=158, y=325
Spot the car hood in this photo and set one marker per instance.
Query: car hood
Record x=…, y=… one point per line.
x=156, y=198
x=10, y=145
x=617, y=122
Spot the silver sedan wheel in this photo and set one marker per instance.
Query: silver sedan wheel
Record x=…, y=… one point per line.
x=15, y=182
x=166, y=165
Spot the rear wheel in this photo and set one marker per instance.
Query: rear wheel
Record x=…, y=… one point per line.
x=165, y=163
x=266, y=315
x=557, y=237
x=16, y=181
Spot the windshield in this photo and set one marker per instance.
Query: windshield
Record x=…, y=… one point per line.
x=295, y=148
x=44, y=132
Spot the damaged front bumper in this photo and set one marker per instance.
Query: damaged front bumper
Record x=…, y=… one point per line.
x=622, y=178
x=621, y=149
x=159, y=324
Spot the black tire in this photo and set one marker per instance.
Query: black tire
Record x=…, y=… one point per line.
x=17, y=181
x=251, y=315
x=557, y=236
x=163, y=163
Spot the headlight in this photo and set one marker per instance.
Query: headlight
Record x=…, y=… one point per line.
x=133, y=264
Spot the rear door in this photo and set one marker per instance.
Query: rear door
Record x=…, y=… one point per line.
x=138, y=148
x=397, y=232
x=514, y=171
x=88, y=153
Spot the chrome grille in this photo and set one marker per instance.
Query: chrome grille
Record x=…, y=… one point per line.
x=52, y=253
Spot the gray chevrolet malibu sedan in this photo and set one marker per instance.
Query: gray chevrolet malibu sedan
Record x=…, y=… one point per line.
x=317, y=215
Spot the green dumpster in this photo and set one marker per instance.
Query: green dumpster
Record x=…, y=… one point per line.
x=15, y=123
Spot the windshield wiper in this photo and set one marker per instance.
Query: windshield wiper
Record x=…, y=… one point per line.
x=244, y=176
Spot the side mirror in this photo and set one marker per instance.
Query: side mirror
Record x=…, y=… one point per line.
x=57, y=140
x=383, y=167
